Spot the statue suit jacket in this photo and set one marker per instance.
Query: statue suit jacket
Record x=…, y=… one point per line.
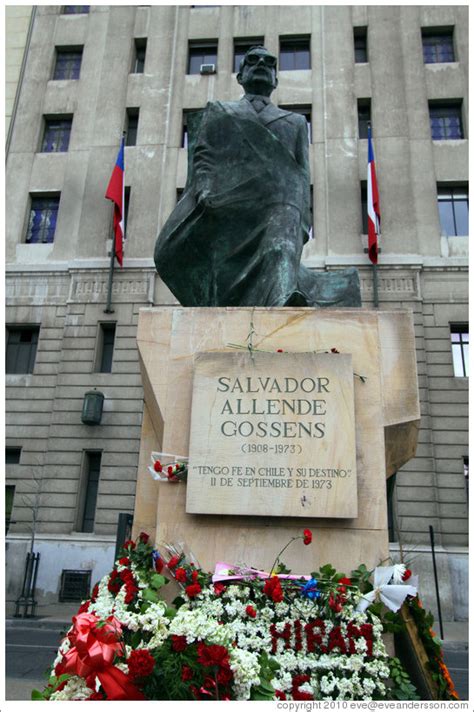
x=253, y=171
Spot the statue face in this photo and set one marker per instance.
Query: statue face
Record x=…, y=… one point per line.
x=258, y=75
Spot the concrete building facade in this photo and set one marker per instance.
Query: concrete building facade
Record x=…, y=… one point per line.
x=95, y=71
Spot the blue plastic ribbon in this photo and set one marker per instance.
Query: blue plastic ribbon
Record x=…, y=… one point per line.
x=310, y=589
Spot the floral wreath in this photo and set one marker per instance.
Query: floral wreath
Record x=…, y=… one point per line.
x=238, y=634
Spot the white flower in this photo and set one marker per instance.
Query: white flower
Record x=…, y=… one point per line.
x=246, y=669
x=74, y=689
x=195, y=625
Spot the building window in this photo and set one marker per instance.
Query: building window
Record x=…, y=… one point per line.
x=201, y=53
x=453, y=207
x=294, y=53
x=446, y=122
x=22, y=342
x=132, y=127
x=363, y=115
x=360, y=45
x=68, y=63
x=438, y=45
x=57, y=133
x=92, y=463
x=105, y=347
x=9, y=496
x=460, y=349
x=242, y=46
x=127, y=196
x=12, y=455
x=304, y=110
x=184, y=133
x=76, y=9
x=43, y=217
x=138, y=65
x=363, y=207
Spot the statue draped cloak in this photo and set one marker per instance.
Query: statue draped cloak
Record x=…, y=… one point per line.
x=242, y=245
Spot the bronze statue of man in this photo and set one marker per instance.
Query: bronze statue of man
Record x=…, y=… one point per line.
x=236, y=236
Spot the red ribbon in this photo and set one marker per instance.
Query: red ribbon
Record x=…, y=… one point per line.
x=95, y=645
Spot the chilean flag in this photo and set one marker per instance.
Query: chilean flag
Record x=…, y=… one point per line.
x=373, y=204
x=116, y=193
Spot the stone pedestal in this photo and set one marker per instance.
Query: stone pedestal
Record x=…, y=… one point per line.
x=386, y=427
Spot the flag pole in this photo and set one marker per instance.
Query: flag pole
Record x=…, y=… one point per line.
x=376, y=286
x=108, y=309
x=377, y=228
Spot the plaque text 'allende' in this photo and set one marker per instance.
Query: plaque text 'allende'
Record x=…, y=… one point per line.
x=273, y=434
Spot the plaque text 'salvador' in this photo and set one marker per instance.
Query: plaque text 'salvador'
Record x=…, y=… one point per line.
x=278, y=406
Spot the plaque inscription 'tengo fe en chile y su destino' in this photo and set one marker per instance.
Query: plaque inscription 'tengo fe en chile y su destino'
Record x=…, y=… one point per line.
x=273, y=434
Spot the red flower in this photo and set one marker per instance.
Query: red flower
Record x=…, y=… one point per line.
x=273, y=589
x=335, y=603
x=159, y=563
x=126, y=576
x=178, y=643
x=170, y=470
x=140, y=663
x=174, y=561
x=131, y=591
x=251, y=612
x=279, y=351
x=124, y=561
x=84, y=607
x=158, y=467
x=280, y=695
x=406, y=575
x=186, y=673
x=113, y=585
x=193, y=590
x=95, y=592
x=180, y=575
x=194, y=576
x=295, y=692
x=345, y=581
x=219, y=589
x=307, y=536
x=129, y=544
x=209, y=655
x=144, y=538
x=224, y=676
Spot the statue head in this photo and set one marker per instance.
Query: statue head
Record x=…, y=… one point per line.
x=257, y=72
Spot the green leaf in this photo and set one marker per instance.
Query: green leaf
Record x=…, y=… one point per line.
x=158, y=581
x=136, y=638
x=37, y=695
x=148, y=594
x=170, y=612
x=327, y=570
